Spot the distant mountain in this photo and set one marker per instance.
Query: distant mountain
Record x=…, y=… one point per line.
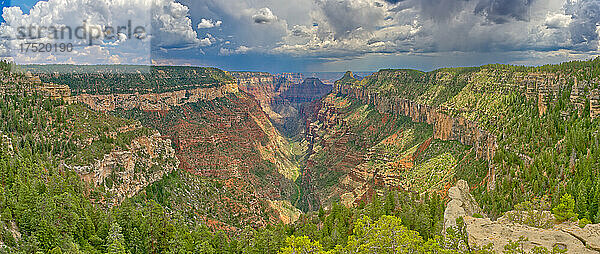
x=307, y=91
x=330, y=77
x=283, y=96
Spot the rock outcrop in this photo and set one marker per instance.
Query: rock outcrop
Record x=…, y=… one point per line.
x=483, y=231
x=126, y=172
x=155, y=101
x=589, y=235
x=461, y=204
x=56, y=92
x=29, y=84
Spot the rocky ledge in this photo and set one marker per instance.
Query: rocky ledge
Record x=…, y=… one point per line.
x=482, y=231
x=155, y=101
x=124, y=173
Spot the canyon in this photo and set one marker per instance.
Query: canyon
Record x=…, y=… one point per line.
x=302, y=143
x=214, y=131
x=497, y=152
x=284, y=97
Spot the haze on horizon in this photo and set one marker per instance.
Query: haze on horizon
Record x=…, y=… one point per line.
x=317, y=35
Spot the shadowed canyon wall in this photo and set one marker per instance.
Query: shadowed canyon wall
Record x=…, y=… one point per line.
x=283, y=97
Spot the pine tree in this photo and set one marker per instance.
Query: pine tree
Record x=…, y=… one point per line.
x=581, y=205
x=390, y=204
x=564, y=210
x=116, y=240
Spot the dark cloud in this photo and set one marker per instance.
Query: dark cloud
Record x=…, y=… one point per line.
x=503, y=11
x=495, y=11
x=264, y=16
x=441, y=10
x=585, y=17
x=345, y=17
x=393, y=1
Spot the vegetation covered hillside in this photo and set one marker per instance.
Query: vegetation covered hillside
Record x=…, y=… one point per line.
x=381, y=155
x=543, y=121
x=117, y=155
x=114, y=79
x=221, y=137
x=48, y=206
x=231, y=141
x=357, y=151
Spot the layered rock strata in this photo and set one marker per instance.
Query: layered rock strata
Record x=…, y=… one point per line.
x=445, y=127
x=155, y=101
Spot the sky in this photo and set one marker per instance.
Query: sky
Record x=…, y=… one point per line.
x=307, y=35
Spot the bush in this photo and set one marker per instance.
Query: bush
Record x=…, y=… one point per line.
x=584, y=222
x=565, y=209
x=532, y=214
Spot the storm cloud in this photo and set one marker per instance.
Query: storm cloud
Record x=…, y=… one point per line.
x=350, y=30
x=264, y=16
x=502, y=11
x=585, y=22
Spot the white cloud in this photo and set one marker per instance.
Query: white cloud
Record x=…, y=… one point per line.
x=239, y=51
x=353, y=28
x=165, y=24
x=557, y=20
x=207, y=23
x=172, y=28
x=209, y=40
x=326, y=29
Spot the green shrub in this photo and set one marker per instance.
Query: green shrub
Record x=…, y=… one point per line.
x=584, y=222
x=565, y=209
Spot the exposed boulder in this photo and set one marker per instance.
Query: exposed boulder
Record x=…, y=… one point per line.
x=511, y=227
x=461, y=204
x=589, y=235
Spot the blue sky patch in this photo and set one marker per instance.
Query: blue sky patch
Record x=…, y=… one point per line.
x=3, y=3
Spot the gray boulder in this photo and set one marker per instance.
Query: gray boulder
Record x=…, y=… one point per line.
x=461, y=204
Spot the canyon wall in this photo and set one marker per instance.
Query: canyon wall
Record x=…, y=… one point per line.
x=282, y=96
x=124, y=173
x=546, y=87
x=309, y=90
x=263, y=86
x=122, y=170
x=155, y=101
x=445, y=127
x=27, y=83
